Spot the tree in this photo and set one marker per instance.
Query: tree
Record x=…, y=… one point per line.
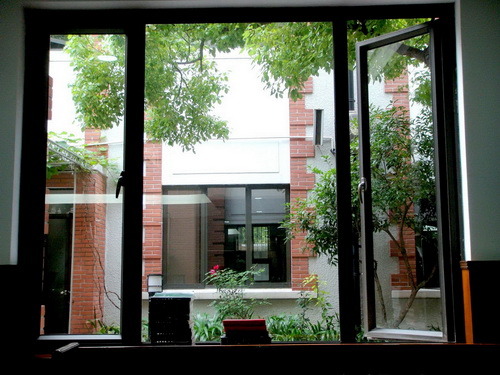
x=403, y=181
x=67, y=152
x=182, y=81
x=402, y=177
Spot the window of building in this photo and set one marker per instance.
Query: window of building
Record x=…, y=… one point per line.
x=235, y=227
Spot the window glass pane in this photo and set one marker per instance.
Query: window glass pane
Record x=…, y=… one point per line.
x=231, y=205
x=82, y=256
x=224, y=129
x=183, y=217
x=268, y=208
x=405, y=219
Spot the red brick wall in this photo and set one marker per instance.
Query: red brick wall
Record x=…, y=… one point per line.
x=401, y=280
x=398, y=87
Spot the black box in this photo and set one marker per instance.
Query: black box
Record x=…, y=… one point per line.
x=169, y=319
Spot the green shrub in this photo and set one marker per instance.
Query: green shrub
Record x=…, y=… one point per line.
x=207, y=328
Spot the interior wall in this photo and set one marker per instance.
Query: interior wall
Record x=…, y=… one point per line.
x=11, y=94
x=478, y=38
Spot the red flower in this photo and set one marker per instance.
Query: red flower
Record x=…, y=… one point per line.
x=214, y=270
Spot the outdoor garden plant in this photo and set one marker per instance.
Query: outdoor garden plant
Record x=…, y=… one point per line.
x=232, y=303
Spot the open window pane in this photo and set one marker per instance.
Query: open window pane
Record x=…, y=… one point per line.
x=402, y=238
x=83, y=227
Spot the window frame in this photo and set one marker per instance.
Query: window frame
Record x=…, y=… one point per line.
x=41, y=23
x=446, y=192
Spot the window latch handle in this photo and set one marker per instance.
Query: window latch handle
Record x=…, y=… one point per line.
x=120, y=183
x=361, y=189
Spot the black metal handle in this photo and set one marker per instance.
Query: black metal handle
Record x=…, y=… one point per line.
x=361, y=189
x=120, y=183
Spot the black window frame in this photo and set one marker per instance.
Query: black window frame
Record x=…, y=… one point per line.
x=41, y=23
x=434, y=29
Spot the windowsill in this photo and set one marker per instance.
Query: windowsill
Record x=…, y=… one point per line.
x=257, y=293
x=405, y=334
x=422, y=293
x=80, y=337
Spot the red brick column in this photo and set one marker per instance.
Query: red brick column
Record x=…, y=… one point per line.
x=399, y=88
x=401, y=280
x=88, y=284
x=153, y=211
x=89, y=246
x=92, y=136
x=301, y=180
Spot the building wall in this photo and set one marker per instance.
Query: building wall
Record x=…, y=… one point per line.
x=257, y=148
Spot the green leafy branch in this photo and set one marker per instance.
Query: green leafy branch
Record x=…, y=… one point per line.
x=75, y=155
x=230, y=285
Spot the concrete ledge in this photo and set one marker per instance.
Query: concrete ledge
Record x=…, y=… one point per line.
x=257, y=293
x=422, y=293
